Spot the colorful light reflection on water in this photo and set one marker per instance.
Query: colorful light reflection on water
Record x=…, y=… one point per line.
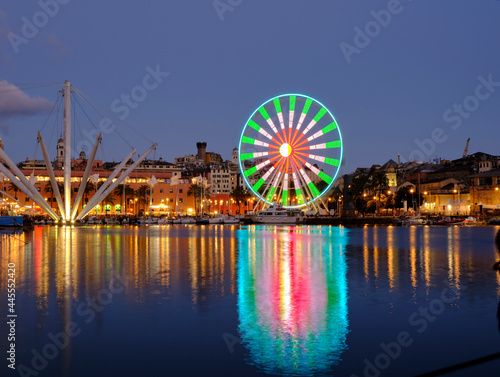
x=292, y=298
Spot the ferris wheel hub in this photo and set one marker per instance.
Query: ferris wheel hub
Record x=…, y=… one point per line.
x=286, y=150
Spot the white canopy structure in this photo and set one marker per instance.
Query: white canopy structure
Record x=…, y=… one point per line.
x=67, y=212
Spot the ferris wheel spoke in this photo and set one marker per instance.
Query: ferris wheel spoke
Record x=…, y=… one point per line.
x=249, y=156
x=325, y=177
x=332, y=126
x=296, y=186
x=308, y=184
x=277, y=105
x=326, y=160
x=260, y=130
x=328, y=145
x=270, y=122
x=321, y=113
x=265, y=177
x=257, y=167
x=321, y=174
x=291, y=115
x=270, y=187
x=305, y=111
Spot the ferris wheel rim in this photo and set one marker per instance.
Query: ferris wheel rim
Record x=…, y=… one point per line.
x=341, y=157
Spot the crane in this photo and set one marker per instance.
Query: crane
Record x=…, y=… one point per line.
x=466, y=151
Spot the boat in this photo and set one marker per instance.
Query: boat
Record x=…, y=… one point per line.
x=148, y=221
x=230, y=220
x=164, y=221
x=111, y=221
x=278, y=215
x=216, y=220
x=184, y=221
x=473, y=221
x=417, y=220
x=11, y=221
x=94, y=220
x=448, y=221
x=495, y=221
x=202, y=222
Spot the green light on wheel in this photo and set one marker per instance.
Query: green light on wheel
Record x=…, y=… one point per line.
x=258, y=185
x=264, y=113
x=251, y=171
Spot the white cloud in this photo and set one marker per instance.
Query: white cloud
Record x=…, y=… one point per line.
x=16, y=103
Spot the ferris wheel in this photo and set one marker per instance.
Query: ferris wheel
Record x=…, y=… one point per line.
x=290, y=151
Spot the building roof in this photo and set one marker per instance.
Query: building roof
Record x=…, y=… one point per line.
x=489, y=173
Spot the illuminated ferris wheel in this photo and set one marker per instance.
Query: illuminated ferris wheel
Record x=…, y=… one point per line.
x=290, y=151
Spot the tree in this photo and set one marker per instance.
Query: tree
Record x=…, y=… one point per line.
x=89, y=187
x=13, y=187
x=48, y=188
x=142, y=194
x=379, y=183
x=124, y=192
x=197, y=191
x=239, y=194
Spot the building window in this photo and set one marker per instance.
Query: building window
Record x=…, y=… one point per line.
x=171, y=200
x=180, y=200
x=161, y=191
x=26, y=199
x=180, y=191
x=171, y=191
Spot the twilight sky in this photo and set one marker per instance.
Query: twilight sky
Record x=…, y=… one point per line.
x=396, y=74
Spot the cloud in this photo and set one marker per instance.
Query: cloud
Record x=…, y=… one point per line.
x=15, y=103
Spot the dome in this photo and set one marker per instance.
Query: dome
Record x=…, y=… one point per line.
x=83, y=156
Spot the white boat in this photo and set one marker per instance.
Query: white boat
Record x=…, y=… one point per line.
x=230, y=220
x=278, y=215
x=148, y=221
x=92, y=220
x=164, y=221
x=184, y=221
x=417, y=220
x=216, y=220
x=111, y=221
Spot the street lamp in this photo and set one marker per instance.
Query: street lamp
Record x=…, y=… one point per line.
x=412, y=200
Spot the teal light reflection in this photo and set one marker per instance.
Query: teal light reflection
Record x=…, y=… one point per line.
x=292, y=298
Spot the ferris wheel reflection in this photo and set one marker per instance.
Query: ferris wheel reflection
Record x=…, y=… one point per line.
x=292, y=298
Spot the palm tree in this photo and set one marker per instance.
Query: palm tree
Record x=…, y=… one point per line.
x=90, y=187
x=48, y=188
x=198, y=191
x=239, y=194
x=142, y=193
x=13, y=187
x=124, y=190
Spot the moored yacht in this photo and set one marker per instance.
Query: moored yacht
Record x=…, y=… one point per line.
x=278, y=215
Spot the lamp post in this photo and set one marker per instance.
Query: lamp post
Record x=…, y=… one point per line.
x=412, y=200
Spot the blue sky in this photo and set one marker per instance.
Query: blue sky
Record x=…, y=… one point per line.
x=391, y=96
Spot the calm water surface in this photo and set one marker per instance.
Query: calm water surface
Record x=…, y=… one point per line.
x=251, y=301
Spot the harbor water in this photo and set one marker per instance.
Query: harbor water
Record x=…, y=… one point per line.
x=251, y=300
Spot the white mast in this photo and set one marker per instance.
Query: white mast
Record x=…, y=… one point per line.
x=67, y=150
